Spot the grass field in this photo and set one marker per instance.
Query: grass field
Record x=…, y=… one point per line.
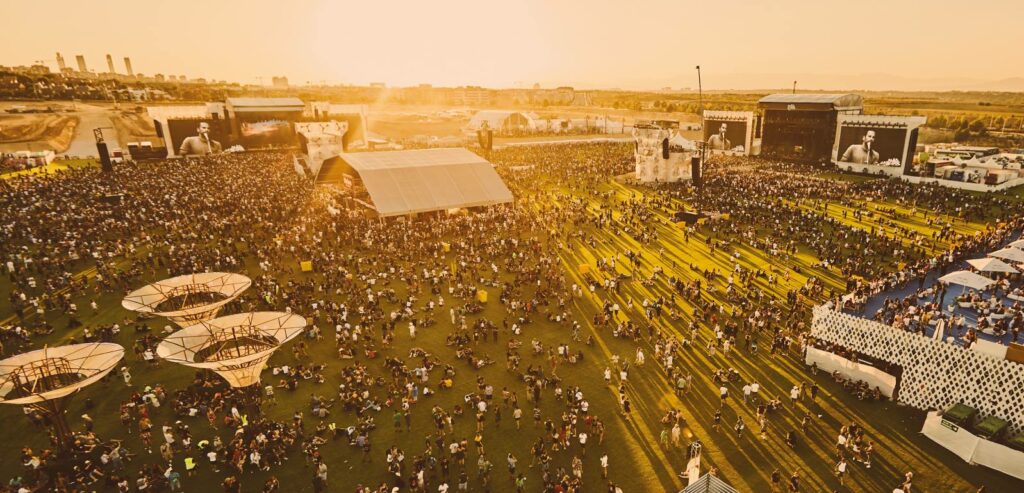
x=637, y=461
x=51, y=168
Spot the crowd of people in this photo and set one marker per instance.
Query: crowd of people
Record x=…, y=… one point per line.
x=412, y=340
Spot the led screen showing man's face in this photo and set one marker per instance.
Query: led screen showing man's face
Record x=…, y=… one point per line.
x=725, y=135
x=862, y=145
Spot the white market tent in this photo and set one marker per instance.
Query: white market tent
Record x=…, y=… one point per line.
x=424, y=180
x=967, y=279
x=679, y=141
x=1011, y=254
x=1017, y=244
x=499, y=120
x=990, y=264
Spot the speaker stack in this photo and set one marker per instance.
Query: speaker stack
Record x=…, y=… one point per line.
x=695, y=171
x=101, y=148
x=486, y=139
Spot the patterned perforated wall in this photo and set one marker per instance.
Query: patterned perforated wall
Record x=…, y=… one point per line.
x=936, y=375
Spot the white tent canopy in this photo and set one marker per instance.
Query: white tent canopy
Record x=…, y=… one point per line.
x=990, y=264
x=678, y=140
x=501, y=119
x=409, y=182
x=967, y=279
x=1017, y=244
x=709, y=484
x=1011, y=254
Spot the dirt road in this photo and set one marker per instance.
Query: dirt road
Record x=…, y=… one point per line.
x=84, y=144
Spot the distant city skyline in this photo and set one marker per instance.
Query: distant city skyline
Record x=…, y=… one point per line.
x=598, y=44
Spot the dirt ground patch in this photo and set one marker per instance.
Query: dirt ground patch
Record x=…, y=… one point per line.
x=408, y=126
x=133, y=127
x=53, y=130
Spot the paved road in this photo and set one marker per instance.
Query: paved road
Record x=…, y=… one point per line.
x=83, y=143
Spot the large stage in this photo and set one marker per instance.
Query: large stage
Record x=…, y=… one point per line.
x=802, y=127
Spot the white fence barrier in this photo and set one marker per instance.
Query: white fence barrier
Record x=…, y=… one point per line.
x=973, y=448
x=935, y=375
x=874, y=377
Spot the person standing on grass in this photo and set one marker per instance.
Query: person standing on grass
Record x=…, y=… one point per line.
x=512, y=461
x=776, y=481
x=866, y=453
x=794, y=482
x=841, y=471
x=366, y=450
x=908, y=479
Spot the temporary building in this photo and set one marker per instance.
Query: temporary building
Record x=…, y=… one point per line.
x=409, y=182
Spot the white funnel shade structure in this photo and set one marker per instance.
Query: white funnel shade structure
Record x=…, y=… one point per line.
x=188, y=299
x=41, y=379
x=237, y=347
x=52, y=373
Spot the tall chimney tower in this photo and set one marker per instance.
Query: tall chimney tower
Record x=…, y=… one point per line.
x=81, y=64
x=110, y=64
x=60, y=62
x=128, y=66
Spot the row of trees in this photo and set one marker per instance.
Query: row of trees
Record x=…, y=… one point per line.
x=975, y=123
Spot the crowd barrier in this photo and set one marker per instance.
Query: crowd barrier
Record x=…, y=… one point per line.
x=874, y=377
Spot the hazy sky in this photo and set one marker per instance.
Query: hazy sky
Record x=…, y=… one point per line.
x=588, y=43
